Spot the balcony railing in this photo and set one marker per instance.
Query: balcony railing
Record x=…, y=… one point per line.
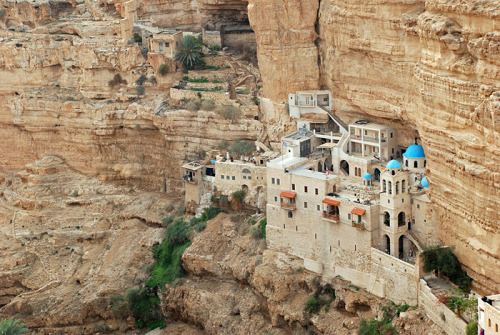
x=367, y=138
x=331, y=217
x=289, y=206
x=359, y=225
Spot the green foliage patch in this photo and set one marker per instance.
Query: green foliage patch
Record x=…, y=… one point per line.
x=444, y=260
x=12, y=327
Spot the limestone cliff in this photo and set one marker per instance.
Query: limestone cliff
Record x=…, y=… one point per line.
x=430, y=67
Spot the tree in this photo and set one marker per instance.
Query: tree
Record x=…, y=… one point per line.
x=189, y=53
x=243, y=148
x=12, y=327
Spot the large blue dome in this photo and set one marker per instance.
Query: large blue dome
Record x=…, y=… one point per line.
x=394, y=164
x=367, y=176
x=424, y=182
x=414, y=151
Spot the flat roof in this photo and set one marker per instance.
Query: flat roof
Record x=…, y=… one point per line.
x=313, y=92
x=284, y=162
x=305, y=172
x=297, y=136
x=371, y=126
x=192, y=166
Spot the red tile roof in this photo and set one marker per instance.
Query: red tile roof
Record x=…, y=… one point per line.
x=287, y=194
x=331, y=202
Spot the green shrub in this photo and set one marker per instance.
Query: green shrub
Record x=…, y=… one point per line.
x=178, y=232
x=144, y=305
x=185, y=78
x=239, y=195
x=376, y=327
x=440, y=259
x=243, y=148
x=13, y=327
x=167, y=220
x=223, y=145
x=137, y=38
x=212, y=50
x=471, y=328
x=313, y=305
x=211, y=212
x=262, y=227
x=163, y=69
x=198, y=80
x=228, y=112
x=192, y=105
x=207, y=105
x=189, y=52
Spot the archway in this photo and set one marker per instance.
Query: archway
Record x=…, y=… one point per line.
x=402, y=242
x=387, y=219
x=328, y=164
x=245, y=188
x=376, y=174
x=344, y=166
x=320, y=166
x=401, y=219
x=387, y=245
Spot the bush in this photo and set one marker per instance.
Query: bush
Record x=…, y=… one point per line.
x=192, y=105
x=440, y=259
x=167, y=220
x=207, y=105
x=144, y=306
x=228, y=112
x=376, y=327
x=13, y=327
x=223, y=145
x=243, y=148
x=211, y=212
x=313, y=305
x=262, y=226
x=239, y=195
x=137, y=38
x=471, y=328
x=163, y=69
x=198, y=80
x=178, y=232
x=212, y=50
x=189, y=52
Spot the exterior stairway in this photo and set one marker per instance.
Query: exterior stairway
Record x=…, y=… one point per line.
x=335, y=118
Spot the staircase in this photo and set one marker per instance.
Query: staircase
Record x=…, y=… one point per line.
x=335, y=118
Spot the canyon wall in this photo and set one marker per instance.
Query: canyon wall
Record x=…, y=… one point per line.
x=426, y=66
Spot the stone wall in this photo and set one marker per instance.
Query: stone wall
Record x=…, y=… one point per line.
x=439, y=313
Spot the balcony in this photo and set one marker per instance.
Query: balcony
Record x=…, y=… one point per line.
x=367, y=138
x=289, y=206
x=359, y=225
x=331, y=217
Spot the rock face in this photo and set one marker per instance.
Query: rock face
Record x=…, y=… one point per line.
x=237, y=287
x=68, y=242
x=430, y=67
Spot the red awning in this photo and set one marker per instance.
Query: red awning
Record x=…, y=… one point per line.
x=358, y=211
x=331, y=202
x=286, y=194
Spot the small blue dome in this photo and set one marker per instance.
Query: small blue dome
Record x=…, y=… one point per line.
x=367, y=176
x=424, y=182
x=414, y=151
x=394, y=164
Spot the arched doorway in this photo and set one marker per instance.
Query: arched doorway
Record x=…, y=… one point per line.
x=387, y=219
x=245, y=188
x=387, y=245
x=344, y=166
x=328, y=164
x=402, y=242
x=376, y=174
x=401, y=219
x=320, y=166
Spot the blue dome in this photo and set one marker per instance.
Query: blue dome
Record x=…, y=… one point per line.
x=367, y=176
x=424, y=182
x=414, y=151
x=394, y=164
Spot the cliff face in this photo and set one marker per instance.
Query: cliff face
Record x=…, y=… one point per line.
x=431, y=67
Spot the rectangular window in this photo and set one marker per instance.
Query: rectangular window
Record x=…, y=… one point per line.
x=349, y=216
x=273, y=181
x=227, y=177
x=277, y=181
x=402, y=200
x=318, y=207
x=221, y=176
x=392, y=135
x=244, y=177
x=276, y=199
x=418, y=206
x=176, y=44
x=167, y=45
x=250, y=177
x=160, y=46
x=305, y=189
x=305, y=204
x=316, y=191
x=293, y=187
x=233, y=178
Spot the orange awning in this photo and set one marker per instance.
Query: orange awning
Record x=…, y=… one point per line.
x=331, y=202
x=358, y=211
x=286, y=194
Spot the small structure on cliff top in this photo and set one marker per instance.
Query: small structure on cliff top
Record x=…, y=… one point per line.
x=165, y=43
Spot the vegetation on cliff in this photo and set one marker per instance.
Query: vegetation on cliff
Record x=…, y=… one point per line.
x=189, y=53
x=444, y=261
x=12, y=327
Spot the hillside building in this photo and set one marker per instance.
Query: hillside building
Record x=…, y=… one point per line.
x=489, y=315
x=165, y=43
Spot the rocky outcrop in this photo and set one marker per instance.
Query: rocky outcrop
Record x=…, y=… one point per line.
x=236, y=286
x=68, y=242
x=430, y=68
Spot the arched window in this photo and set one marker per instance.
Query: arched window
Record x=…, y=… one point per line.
x=384, y=183
x=406, y=162
x=403, y=186
x=397, y=187
x=401, y=219
x=387, y=219
x=425, y=163
x=415, y=164
x=290, y=215
x=390, y=187
x=246, y=171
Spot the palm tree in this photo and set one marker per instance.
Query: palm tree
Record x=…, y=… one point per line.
x=189, y=53
x=12, y=327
